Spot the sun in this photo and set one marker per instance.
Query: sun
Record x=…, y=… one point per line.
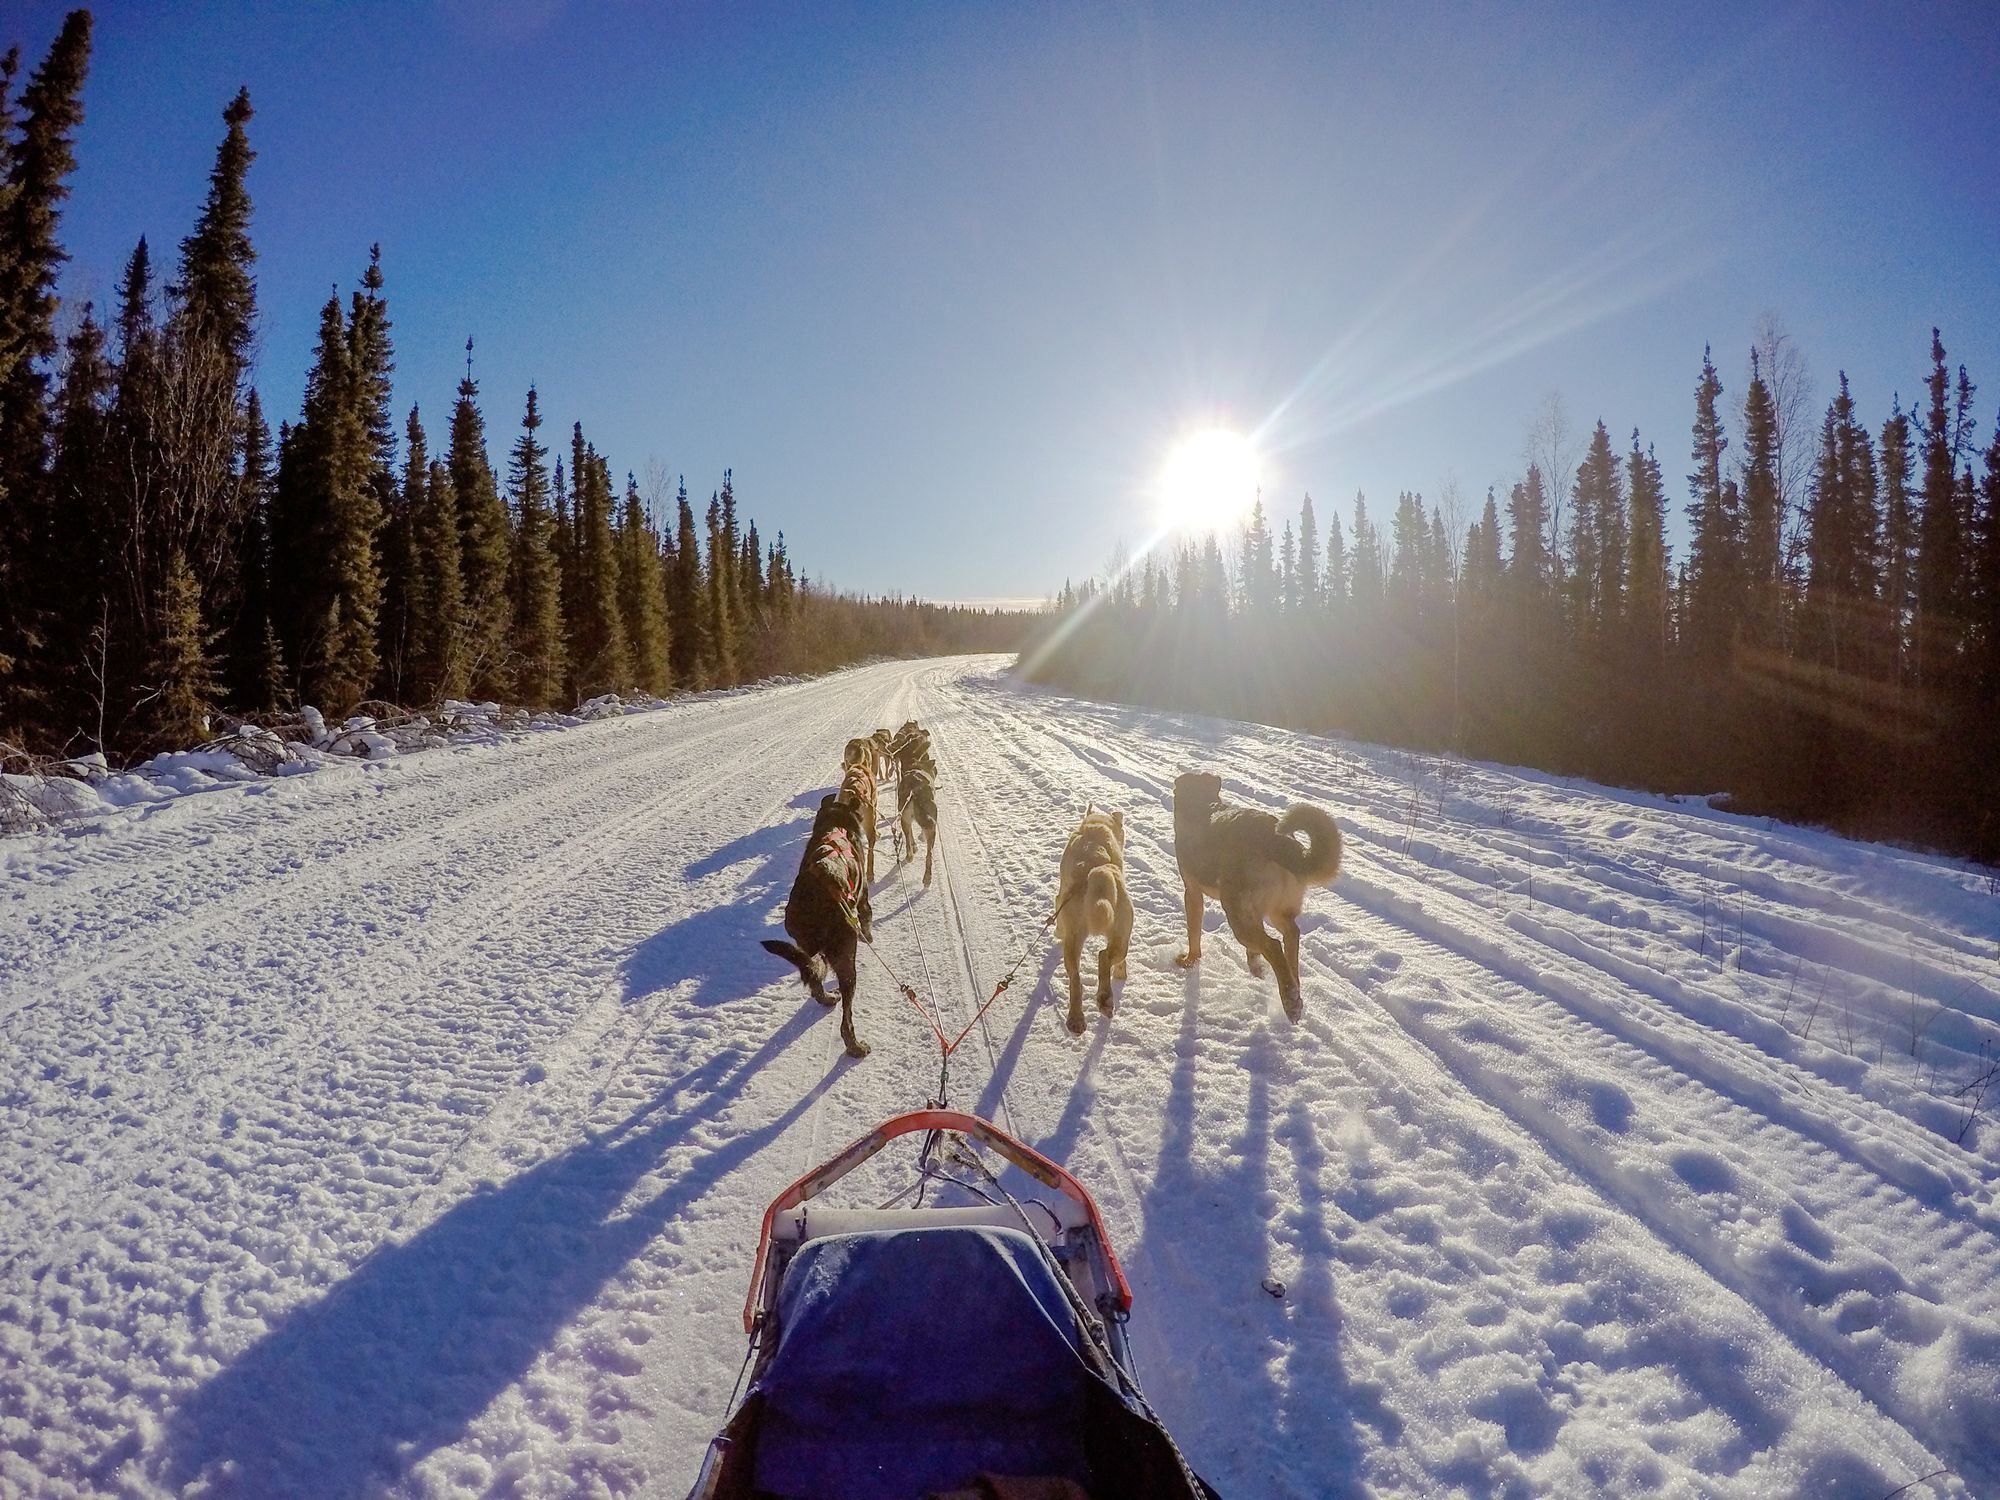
x=1208, y=482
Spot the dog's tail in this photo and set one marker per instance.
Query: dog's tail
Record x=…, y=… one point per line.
x=1100, y=893
x=811, y=966
x=1319, y=861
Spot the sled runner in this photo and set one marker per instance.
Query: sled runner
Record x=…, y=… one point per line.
x=903, y=1352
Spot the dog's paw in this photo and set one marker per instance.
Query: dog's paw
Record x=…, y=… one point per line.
x=857, y=1048
x=1295, y=1006
x=1074, y=1021
x=1105, y=1003
x=1186, y=960
x=825, y=999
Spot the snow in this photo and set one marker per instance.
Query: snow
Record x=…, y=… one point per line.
x=403, y=1128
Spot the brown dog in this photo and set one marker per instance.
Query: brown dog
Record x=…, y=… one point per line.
x=1249, y=861
x=857, y=787
x=916, y=810
x=828, y=913
x=1094, y=903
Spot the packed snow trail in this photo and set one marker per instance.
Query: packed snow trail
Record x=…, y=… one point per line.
x=404, y=1128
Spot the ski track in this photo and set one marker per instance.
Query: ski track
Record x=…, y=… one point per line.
x=404, y=1129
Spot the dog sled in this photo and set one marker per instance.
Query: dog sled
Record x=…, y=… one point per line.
x=971, y=1350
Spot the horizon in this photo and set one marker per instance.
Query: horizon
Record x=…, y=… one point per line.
x=1009, y=259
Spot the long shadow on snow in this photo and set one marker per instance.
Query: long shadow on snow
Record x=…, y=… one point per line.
x=1207, y=1232
x=345, y=1395
x=717, y=946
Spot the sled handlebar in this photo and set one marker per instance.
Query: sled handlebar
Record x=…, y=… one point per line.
x=1014, y=1152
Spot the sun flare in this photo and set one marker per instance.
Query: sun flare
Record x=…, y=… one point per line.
x=1208, y=482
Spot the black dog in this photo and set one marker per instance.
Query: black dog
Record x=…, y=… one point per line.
x=828, y=913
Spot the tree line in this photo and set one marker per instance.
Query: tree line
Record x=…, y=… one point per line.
x=1827, y=648
x=164, y=556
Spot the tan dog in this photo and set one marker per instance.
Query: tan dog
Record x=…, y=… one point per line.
x=1094, y=903
x=857, y=788
x=884, y=762
x=1249, y=861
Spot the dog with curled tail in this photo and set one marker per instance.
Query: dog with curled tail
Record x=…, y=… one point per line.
x=1254, y=865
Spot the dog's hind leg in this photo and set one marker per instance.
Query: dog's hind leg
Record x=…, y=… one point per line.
x=1248, y=926
x=843, y=971
x=1191, y=903
x=1073, y=950
x=930, y=845
x=1111, y=961
x=1288, y=930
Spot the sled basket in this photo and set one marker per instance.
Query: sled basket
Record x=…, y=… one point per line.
x=902, y=1352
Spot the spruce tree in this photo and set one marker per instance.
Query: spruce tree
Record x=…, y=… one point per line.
x=216, y=293
x=731, y=541
x=687, y=614
x=341, y=592
x=1309, y=585
x=256, y=664
x=408, y=609
x=721, y=642
x=1942, y=545
x=1899, y=538
x=541, y=655
x=444, y=626
x=1841, y=535
x=1366, y=582
x=1410, y=533
x=599, y=662
x=486, y=547
x=1763, y=559
x=37, y=163
x=1333, y=582
x=69, y=549
x=372, y=361
x=1715, y=545
x=1647, y=601
x=642, y=596
x=38, y=169
x=184, y=688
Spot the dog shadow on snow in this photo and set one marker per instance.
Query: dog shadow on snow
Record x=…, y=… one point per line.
x=346, y=1394
x=1209, y=1231
x=717, y=946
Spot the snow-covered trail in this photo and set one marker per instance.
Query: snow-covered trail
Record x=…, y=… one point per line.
x=404, y=1129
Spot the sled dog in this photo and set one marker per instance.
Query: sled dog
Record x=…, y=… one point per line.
x=884, y=761
x=916, y=808
x=828, y=912
x=857, y=787
x=912, y=750
x=1249, y=861
x=1092, y=902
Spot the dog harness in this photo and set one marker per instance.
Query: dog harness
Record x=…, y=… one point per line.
x=842, y=867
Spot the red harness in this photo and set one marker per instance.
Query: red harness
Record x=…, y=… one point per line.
x=835, y=855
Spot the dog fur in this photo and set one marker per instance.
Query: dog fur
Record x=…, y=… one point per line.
x=912, y=750
x=822, y=938
x=885, y=763
x=1094, y=903
x=916, y=808
x=1249, y=861
x=857, y=786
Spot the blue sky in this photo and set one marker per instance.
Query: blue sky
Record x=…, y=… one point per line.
x=942, y=282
